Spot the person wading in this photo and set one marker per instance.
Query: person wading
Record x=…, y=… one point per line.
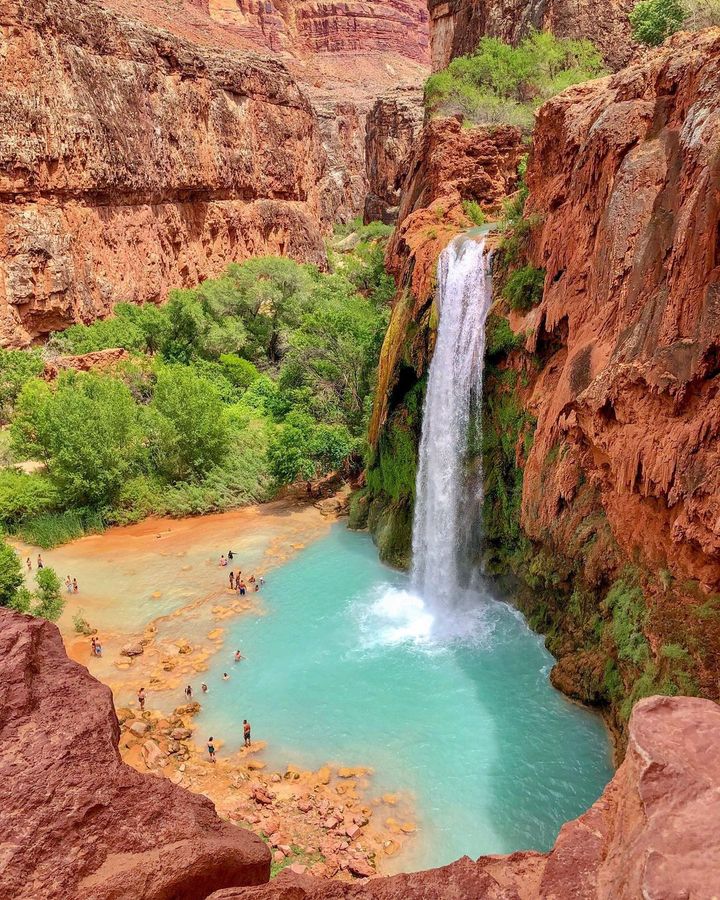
x=211, y=749
x=141, y=699
x=246, y=732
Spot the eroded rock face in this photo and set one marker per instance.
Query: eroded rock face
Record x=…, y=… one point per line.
x=625, y=185
x=448, y=164
x=132, y=162
x=75, y=821
x=651, y=834
x=456, y=26
x=392, y=126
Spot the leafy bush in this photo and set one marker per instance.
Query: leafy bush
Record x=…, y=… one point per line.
x=11, y=576
x=16, y=368
x=524, y=288
x=85, y=428
x=502, y=83
x=241, y=372
x=653, y=21
x=473, y=211
x=24, y=495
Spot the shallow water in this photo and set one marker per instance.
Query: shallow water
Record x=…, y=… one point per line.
x=344, y=667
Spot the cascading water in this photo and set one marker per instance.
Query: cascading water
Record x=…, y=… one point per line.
x=448, y=495
x=448, y=500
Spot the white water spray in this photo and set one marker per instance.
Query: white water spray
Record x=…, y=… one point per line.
x=447, y=495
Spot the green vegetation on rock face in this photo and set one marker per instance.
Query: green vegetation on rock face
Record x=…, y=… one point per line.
x=653, y=21
x=524, y=288
x=231, y=389
x=500, y=83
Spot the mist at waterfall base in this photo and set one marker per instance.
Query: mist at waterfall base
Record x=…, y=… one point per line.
x=440, y=688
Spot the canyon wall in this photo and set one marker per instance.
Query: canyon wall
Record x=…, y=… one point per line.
x=75, y=821
x=131, y=162
x=392, y=125
x=601, y=413
x=456, y=26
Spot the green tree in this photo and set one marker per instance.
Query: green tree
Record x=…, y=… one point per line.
x=653, y=21
x=302, y=448
x=85, y=428
x=11, y=577
x=49, y=600
x=188, y=431
x=16, y=368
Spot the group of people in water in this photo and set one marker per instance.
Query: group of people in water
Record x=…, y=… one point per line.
x=237, y=583
x=96, y=647
x=40, y=563
x=71, y=584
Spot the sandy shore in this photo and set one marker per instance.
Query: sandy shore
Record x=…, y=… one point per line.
x=159, y=601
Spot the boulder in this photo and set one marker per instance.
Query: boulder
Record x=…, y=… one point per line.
x=75, y=820
x=139, y=728
x=133, y=649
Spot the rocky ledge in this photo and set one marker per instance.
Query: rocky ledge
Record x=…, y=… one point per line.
x=75, y=821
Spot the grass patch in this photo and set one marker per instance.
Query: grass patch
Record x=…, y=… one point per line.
x=52, y=529
x=473, y=211
x=524, y=288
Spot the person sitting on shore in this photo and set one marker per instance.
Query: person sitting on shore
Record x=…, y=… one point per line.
x=141, y=699
x=246, y=732
x=232, y=581
x=238, y=656
x=211, y=749
x=223, y=561
x=188, y=693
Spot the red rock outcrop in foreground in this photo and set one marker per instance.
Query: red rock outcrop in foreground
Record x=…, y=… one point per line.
x=625, y=185
x=653, y=833
x=132, y=162
x=456, y=26
x=75, y=821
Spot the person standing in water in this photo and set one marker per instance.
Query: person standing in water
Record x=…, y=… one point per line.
x=74, y=585
x=211, y=749
x=230, y=554
x=40, y=562
x=188, y=693
x=98, y=648
x=246, y=732
x=68, y=585
x=223, y=561
x=141, y=699
x=226, y=677
x=94, y=646
x=28, y=563
x=238, y=656
x=203, y=688
x=232, y=581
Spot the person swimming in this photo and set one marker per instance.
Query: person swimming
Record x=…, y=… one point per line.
x=226, y=677
x=204, y=688
x=238, y=656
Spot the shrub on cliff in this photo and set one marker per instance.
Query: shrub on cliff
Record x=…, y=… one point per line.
x=524, y=288
x=502, y=83
x=653, y=21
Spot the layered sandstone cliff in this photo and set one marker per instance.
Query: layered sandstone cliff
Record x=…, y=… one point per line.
x=456, y=26
x=75, y=821
x=392, y=125
x=131, y=162
x=625, y=207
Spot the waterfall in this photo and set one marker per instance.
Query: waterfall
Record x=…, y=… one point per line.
x=448, y=496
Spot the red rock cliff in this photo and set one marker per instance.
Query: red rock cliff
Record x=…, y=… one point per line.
x=456, y=26
x=625, y=184
x=75, y=821
x=132, y=162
